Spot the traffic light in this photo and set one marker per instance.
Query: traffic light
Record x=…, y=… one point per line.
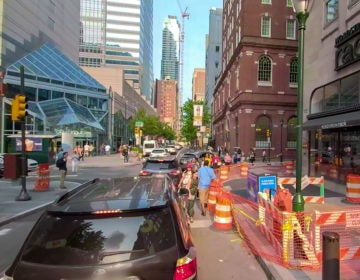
x=268, y=133
x=18, y=108
x=137, y=130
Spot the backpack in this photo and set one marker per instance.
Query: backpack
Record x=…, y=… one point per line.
x=58, y=162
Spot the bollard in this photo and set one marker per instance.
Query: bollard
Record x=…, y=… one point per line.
x=331, y=256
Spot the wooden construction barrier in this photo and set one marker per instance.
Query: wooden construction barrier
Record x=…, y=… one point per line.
x=305, y=182
x=223, y=215
x=353, y=188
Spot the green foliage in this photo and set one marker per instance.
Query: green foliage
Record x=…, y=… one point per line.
x=152, y=125
x=188, y=130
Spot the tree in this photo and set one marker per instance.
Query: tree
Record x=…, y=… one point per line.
x=188, y=130
x=152, y=125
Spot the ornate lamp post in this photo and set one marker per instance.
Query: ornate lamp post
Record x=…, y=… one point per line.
x=301, y=8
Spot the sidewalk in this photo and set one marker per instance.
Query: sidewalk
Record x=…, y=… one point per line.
x=237, y=259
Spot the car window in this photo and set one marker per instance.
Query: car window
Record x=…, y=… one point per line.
x=160, y=165
x=79, y=240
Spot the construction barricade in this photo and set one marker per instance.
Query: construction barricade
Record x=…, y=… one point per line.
x=214, y=189
x=289, y=167
x=224, y=171
x=353, y=188
x=42, y=183
x=223, y=214
x=244, y=166
x=306, y=181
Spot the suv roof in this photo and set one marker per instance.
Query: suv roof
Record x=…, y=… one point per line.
x=119, y=194
x=116, y=228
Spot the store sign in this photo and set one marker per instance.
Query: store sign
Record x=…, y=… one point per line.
x=333, y=125
x=347, y=47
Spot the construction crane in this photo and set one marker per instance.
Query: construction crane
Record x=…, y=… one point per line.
x=184, y=15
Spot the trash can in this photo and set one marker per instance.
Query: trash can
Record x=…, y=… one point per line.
x=12, y=166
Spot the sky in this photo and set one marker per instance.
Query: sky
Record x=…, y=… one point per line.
x=196, y=27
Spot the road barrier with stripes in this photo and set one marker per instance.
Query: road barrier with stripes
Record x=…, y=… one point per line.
x=304, y=183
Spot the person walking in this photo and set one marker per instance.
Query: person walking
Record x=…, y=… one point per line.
x=205, y=175
x=74, y=162
x=61, y=164
x=227, y=159
x=184, y=185
x=252, y=157
x=264, y=156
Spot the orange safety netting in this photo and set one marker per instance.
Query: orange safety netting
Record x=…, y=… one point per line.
x=294, y=240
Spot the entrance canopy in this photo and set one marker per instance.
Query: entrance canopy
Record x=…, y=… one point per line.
x=62, y=112
x=334, y=121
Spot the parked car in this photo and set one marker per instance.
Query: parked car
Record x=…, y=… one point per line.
x=119, y=228
x=32, y=165
x=168, y=165
x=159, y=152
x=187, y=157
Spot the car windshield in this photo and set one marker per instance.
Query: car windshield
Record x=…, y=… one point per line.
x=80, y=240
x=160, y=165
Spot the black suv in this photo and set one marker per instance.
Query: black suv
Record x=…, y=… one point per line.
x=124, y=228
x=165, y=165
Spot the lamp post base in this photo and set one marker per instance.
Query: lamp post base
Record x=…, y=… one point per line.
x=298, y=203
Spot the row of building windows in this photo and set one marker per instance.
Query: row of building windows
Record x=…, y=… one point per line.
x=265, y=70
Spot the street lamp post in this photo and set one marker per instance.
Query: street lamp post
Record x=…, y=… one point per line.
x=301, y=8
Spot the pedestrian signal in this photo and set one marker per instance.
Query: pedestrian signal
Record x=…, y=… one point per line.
x=18, y=108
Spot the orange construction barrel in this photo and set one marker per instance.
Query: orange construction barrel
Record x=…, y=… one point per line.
x=42, y=183
x=353, y=188
x=214, y=189
x=223, y=214
x=244, y=166
x=289, y=167
x=224, y=171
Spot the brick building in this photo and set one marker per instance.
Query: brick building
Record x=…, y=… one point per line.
x=255, y=96
x=166, y=98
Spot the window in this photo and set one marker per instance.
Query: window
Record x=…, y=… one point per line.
x=294, y=71
x=289, y=3
x=290, y=29
x=291, y=133
x=262, y=125
x=332, y=10
x=217, y=48
x=265, y=1
x=265, y=26
x=264, y=70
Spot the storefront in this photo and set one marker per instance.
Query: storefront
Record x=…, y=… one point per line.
x=334, y=129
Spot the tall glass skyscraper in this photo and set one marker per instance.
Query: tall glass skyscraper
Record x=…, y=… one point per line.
x=119, y=32
x=170, y=49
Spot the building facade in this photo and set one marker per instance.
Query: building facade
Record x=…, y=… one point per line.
x=255, y=97
x=213, y=54
x=119, y=32
x=166, y=92
x=170, y=49
x=198, y=84
x=40, y=41
x=331, y=137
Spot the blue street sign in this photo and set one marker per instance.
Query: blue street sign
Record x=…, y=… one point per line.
x=267, y=182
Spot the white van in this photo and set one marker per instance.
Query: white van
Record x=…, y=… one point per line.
x=148, y=146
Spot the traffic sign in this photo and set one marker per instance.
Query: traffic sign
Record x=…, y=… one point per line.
x=139, y=123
